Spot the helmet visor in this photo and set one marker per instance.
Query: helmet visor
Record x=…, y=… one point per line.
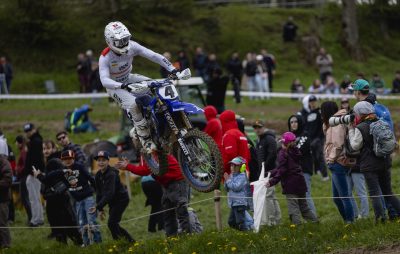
x=123, y=42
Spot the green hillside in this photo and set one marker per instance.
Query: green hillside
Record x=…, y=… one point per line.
x=43, y=44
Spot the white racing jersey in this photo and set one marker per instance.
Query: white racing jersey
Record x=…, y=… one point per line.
x=115, y=69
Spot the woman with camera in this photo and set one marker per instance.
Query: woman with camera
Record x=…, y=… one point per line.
x=373, y=163
x=336, y=159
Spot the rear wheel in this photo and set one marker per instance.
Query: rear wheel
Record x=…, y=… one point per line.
x=205, y=171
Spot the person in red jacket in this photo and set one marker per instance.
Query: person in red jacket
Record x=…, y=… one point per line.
x=213, y=127
x=175, y=193
x=234, y=142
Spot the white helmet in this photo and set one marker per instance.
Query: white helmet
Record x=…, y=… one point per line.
x=117, y=37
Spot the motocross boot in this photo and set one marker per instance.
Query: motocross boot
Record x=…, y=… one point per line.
x=143, y=133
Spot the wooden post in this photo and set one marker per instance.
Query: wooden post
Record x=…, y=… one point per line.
x=217, y=204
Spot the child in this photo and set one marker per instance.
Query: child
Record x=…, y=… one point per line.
x=290, y=174
x=237, y=186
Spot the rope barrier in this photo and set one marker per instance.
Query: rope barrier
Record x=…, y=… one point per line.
x=192, y=203
x=229, y=93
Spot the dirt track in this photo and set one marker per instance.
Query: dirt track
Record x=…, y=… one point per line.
x=389, y=249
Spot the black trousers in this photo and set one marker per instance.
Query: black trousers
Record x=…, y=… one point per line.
x=236, y=87
x=379, y=183
x=153, y=192
x=116, y=211
x=176, y=197
x=23, y=191
x=11, y=210
x=60, y=213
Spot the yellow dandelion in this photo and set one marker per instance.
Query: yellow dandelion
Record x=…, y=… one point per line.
x=110, y=250
x=233, y=248
x=130, y=250
x=194, y=252
x=344, y=237
x=292, y=225
x=209, y=243
x=115, y=246
x=284, y=239
x=136, y=244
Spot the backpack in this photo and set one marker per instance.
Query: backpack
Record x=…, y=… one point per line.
x=383, y=113
x=383, y=137
x=67, y=121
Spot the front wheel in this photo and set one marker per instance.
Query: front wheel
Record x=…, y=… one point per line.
x=204, y=171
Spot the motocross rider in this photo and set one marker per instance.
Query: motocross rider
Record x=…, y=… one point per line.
x=115, y=67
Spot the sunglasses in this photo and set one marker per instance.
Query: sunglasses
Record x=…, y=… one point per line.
x=61, y=138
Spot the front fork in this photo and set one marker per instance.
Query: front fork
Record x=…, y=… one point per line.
x=178, y=133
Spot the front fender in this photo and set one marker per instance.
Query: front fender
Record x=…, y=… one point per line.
x=184, y=106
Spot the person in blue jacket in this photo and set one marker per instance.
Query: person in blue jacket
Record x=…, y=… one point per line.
x=79, y=120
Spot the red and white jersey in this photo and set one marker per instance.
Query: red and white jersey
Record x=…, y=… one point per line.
x=115, y=69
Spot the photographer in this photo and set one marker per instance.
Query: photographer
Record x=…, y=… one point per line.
x=336, y=159
x=376, y=169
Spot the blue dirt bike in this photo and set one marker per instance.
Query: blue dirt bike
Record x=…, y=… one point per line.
x=172, y=132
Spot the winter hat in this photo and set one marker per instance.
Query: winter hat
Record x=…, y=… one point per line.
x=364, y=108
x=288, y=137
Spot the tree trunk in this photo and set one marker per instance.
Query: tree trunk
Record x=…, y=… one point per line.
x=350, y=29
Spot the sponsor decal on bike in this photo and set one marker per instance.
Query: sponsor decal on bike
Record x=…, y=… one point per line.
x=184, y=149
x=171, y=122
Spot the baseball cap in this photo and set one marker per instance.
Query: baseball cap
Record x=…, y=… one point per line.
x=288, y=137
x=238, y=161
x=258, y=124
x=103, y=154
x=364, y=108
x=360, y=84
x=28, y=127
x=312, y=98
x=68, y=154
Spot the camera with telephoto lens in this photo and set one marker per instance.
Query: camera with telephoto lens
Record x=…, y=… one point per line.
x=336, y=120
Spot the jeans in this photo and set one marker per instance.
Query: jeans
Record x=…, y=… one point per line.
x=237, y=218
x=340, y=188
x=262, y=85
x=357, y=181
x=87, y=221
x=33, y=186
x=252, y=85
x=317, y=152
x=114, y=219
x=310, y=202
x=379, y=183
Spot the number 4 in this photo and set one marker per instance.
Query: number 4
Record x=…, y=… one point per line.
x=169, y=92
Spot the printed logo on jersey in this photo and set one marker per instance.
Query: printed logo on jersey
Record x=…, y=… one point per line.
x=123, y=66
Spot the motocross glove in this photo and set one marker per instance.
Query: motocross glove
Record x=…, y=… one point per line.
x=172, y=74
x=126, y=86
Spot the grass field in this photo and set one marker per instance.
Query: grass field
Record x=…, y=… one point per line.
x=331, y=235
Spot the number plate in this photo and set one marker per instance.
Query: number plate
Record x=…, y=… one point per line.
x=168, y=92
